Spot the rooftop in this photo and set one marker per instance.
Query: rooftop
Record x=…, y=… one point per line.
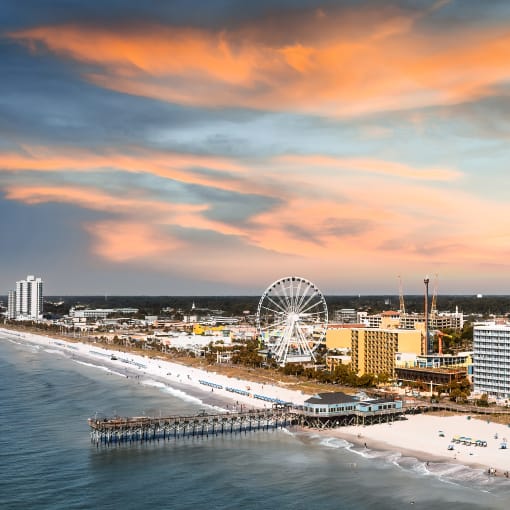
x=331, y=398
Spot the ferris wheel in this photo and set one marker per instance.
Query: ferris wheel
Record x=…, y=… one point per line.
x=292, y=318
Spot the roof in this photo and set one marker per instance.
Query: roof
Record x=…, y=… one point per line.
x=331, y=398
x=434, y=370
x=376, y=401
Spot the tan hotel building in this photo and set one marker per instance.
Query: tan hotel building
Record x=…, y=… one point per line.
x=373, y=351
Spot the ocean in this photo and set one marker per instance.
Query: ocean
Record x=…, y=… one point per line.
x=48, y=462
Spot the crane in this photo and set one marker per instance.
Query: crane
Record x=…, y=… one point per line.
x=440, y=336
x=401, y=296
x=433, y=306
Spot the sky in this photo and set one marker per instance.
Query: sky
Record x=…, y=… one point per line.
x=196, y=148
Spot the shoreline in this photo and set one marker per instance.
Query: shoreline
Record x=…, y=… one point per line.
x=168, y=372
x=417, y=436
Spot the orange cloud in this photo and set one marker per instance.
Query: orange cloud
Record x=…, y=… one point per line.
x=126, y=241
x=374, y=166
x=131, y=205
x=229, y=175
x=329, y=209
x=94, y=199
x=336, y=63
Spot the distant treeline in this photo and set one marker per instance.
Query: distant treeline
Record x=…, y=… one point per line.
x=236, y=305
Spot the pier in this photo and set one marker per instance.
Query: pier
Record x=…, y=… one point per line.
x=127, y=430
x=122, y=430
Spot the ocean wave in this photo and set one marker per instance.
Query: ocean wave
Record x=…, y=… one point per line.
x=215, y=408
x=288, y=432
x=447, y=472
x=93, y=365
x=151, y=382
x=31, y=347
x=180, y=394
x=184, y=396
x=55, y=351
x=114, y=372
x=335, y=442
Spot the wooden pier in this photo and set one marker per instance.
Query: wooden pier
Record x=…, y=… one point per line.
x=119, y=430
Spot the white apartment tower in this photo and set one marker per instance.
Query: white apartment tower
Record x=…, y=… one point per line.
x=27, y=299
x=491, y=360
x=11, y=304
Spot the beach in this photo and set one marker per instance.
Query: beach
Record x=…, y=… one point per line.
x=425, y=437
x=241, y=394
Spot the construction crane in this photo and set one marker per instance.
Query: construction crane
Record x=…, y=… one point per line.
x=401, y=296
x=440, y=336
x=433, y=306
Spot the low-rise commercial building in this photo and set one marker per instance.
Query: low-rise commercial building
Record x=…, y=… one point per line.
x=429, y=376
x=338, y=403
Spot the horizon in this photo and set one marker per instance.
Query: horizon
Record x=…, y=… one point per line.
x=211, y=148
x=255, y=295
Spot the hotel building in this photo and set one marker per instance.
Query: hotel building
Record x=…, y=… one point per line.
x=26, y=302
x=400, y=320
x=11, y=304
x=491, y=360
x=374, y=351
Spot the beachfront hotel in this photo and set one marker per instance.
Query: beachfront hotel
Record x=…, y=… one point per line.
x=491, y=360
x=26, y=302
x=374, y=351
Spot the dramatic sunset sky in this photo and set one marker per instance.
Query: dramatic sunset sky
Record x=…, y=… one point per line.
x=212, y=147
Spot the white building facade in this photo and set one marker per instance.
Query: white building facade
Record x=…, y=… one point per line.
x=491, y=360
x=11, y=304
x=26, y=303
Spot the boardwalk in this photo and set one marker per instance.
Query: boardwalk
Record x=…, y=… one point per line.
x=422, y=407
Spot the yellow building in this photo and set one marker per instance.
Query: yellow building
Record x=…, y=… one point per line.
x=338, y=336
x=332, y=361
x=202, y=329
x=373, y=351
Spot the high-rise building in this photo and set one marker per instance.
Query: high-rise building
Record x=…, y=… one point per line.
x=374, y=351
x=11, y=304
x=491, y=360
x=26, y=303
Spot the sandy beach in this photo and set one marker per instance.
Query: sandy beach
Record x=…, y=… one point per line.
x=152, y=367
x=426, y=437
